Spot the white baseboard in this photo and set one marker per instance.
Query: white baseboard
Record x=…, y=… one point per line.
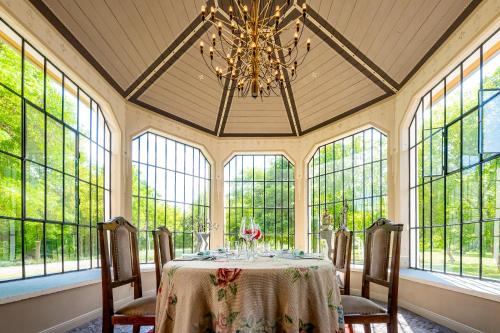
x=89, y=316
x=435, y=317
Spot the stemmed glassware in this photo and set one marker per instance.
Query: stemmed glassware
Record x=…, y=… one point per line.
x=248, y=231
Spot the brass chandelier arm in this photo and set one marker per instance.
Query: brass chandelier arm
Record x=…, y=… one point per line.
x=243, y=47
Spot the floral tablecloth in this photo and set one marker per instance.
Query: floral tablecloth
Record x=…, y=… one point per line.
x=264, y=295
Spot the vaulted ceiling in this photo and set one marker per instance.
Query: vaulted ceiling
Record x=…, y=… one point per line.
x=363, y=51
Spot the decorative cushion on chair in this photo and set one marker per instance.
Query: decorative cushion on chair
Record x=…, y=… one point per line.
x=360, y=305
x=144, y=306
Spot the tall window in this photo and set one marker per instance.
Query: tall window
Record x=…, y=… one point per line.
x=351, y=171
x=170, y=187
x=55, y=150
x=455, y=170
x=261, y=187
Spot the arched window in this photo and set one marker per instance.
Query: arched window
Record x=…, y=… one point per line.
x=260, y=187
x=55, y=153
x=170, y=187
x=352, y=171
x=455, y=170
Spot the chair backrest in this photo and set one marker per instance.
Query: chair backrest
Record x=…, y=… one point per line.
x=118, y=248
x=164, y=250
x=342, y=255
x=382, y=251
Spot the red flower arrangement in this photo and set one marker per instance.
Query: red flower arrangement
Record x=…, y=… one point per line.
x=257, y=236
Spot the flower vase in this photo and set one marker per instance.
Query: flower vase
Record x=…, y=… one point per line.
x=202, y=241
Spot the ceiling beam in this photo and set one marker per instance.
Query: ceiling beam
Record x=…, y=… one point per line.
x=63, y=30
x=169, y=56
x=324, y=30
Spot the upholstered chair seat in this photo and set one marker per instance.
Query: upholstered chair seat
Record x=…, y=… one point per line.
x=140, y=307
x=356, y=305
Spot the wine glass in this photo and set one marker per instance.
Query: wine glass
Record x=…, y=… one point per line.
x=248, y=232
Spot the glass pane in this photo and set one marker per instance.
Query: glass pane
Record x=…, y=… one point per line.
x=10, y=61
x=70, y=248
x=491, y=250
x=470, y=249
x=70, y=206
x=33, y=75
x=35, y=191
x=10, y=186
x=438, y=249
x=33, y=248
x=53, y=248
x=84, y=246
x=453, y=95
x=54, y=92
x=491, y=121
x=470, y=153
x=84, y=113
x=491, y=63
x=453, y=249
x=69, y=151
x=453, y=146
x=471, y=81
x=470, y=199
x=54, y=195
x=35, y=135
x=10, y=122
x=54, y=144
x=10, y=250
x=437, y=111
x=70, y=102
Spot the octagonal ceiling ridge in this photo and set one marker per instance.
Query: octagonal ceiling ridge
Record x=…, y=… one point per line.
x=319, y=25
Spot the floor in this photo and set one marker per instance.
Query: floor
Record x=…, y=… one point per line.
x=409, y=322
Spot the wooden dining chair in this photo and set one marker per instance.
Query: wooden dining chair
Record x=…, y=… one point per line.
x=118, y=247
x=164, y=250
x=342, y=258
x=382, y=250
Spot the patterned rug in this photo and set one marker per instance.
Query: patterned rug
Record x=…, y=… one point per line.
x=409, y=322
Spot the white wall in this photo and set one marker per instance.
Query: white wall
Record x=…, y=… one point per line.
x=127, y=121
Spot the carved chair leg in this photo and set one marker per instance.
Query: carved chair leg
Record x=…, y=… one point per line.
x=368, y=328
x=136, y=329
x=348, y=328
x=392, y=327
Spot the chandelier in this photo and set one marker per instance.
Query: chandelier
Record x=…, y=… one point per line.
x=245, y=46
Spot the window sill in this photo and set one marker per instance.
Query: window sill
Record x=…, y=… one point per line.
x=474, y=287
x=24, y=289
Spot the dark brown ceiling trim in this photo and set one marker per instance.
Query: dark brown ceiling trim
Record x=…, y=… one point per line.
x=353, y=49
x=287, y=108
x=347, y=113
x=230, y=96
x=171, y=116
x=287, y=101
x=252, y=135
x=190, y=28
x=221, y=104
x=63, y=30
x=348, y=57
x=185, y=46
x=462, y=17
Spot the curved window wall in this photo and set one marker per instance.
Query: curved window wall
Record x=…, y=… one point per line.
x=260, y=187
x=170, y=187
x=55, y=153
x=351, y=170
x=455, y=170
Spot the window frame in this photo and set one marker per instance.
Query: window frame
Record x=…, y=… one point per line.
x=322, y=205
x=290, y=201
x=415, y=252
x=206, y=205
x=97, y=146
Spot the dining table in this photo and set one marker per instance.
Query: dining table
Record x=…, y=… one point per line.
x=266, y=294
